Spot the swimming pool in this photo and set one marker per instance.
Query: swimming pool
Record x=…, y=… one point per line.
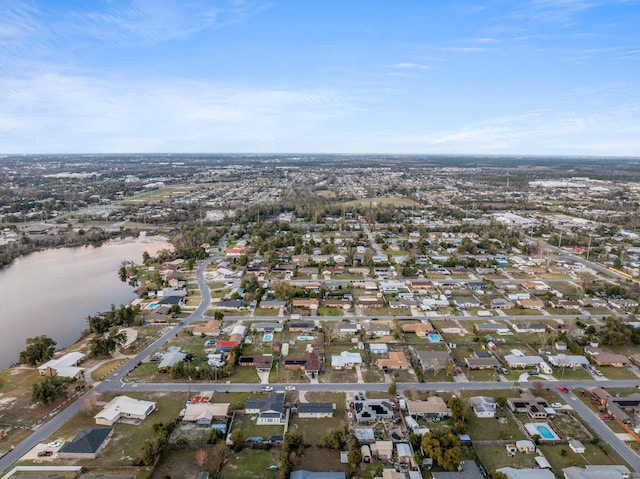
x=434, y=338
x=267, y=337
x=305, y=338
x=153, y=305
x=541, y=429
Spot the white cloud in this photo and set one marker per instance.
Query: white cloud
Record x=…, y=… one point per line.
x=411, y=66
x=96, y=114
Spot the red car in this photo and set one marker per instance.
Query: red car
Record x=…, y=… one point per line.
x=45, y=453
x=563, y=389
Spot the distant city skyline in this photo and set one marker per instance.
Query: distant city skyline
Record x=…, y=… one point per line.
x=493, y=77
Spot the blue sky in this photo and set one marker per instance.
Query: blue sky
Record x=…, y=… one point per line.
x=457, y=77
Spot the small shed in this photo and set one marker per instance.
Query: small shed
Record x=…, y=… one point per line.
x=576, y=446
x=365, y=451
x=526, y=447
x=542, y=462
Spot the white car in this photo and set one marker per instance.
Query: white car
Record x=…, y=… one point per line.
x=55, y=444
x=556, y=405
x=289, y=388
x=267, y=389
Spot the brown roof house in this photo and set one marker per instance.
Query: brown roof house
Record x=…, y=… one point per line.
x=397, y=361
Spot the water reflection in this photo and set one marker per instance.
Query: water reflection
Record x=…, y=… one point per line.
x=52, y=292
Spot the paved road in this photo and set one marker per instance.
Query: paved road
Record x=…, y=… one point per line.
x=605, y=433
x=114, y=381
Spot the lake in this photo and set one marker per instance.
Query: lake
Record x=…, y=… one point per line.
x=52, y=292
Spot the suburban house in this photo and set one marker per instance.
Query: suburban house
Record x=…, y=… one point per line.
x=311, y=410
x=467, y=470
x=378, y=348
x=433, y=407
x=376, y=328
x=536, y=408
x=346, y=360
x=370, y=302
x=596, y=472
x=625, y=409
x=532, y=303
x=343, y=330
x=212, y=328
x=270, y=411
x=205, y=412
x=528, y=473
x=312, y=304
x=397, y=361
x=518, y=360
x=373, y=409
x=262, y=362
x=433, y=360
x=567, y=360
x=483, y=406
x=87, y=444
x=529, y=328
x=173, y=356
x=497, y=328
x=421, y=330
x=383, y=450
x=267, y=327
x=124, y=409
x=488, y=362
x=302, y=327
x=64, y=367
x=603, y=358
x=344, y=304
x=309, y=363
x=304, y=474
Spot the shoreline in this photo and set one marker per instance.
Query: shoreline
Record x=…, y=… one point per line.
x=62, y=304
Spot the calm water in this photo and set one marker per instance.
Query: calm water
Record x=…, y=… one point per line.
x=52, y=292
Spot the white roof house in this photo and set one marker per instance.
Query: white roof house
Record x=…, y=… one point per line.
x=568, y=360
x=513, y=473
x=596, y=472
x=483, y=406
x=65, y=366
x=124, y=408
x=203, y=413
x=346, y=359
x=514, y=361
x=173, y=356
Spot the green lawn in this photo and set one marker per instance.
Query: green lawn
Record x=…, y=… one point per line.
x=522, y=312
x=617, y=373
x=594, y=454
x=313, y=430
x=487, y=429
x=251, y=464
x=127, y=439
x=494, y=457
x=247, y=422
x=265, y=312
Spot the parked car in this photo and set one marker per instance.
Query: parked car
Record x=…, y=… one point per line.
x=45, y=453
x=556, y=405
x=289, y=388
x=563, y=389
x=267, y=389
x=273, y=467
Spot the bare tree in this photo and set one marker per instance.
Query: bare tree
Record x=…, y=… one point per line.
x=201, y=457
x=90, y=402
